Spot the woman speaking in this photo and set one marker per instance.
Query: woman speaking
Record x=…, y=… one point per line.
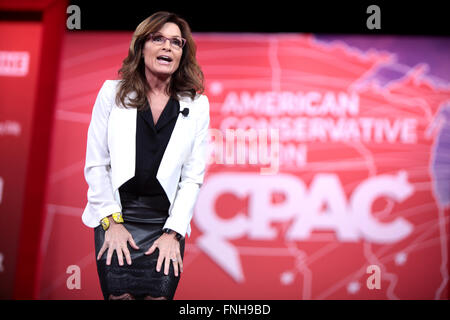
x=145, y=162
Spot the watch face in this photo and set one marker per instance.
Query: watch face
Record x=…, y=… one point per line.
x=117, y=217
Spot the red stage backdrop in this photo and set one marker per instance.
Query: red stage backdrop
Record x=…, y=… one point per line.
x=339, y=179
x=20, y=47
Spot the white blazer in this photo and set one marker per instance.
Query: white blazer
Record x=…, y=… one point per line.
x=111, y=158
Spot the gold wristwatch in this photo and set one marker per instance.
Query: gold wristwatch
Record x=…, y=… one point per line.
x=117, y=217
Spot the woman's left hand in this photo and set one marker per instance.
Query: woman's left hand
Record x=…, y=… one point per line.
x=169, y=251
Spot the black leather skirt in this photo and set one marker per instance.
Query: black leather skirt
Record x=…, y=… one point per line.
x=139, y=279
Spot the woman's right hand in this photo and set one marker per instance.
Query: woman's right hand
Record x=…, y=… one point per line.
x=116, y=238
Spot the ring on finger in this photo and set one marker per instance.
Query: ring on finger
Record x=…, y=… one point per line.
x=174, y=259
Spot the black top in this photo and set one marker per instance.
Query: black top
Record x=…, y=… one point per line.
x=151, y=142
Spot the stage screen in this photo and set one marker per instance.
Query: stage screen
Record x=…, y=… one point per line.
x=328, y=167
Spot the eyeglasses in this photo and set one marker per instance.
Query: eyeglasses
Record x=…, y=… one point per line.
x=176, y=42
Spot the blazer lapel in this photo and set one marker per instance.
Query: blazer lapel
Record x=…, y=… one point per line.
x=173, y=157
x=122, y=139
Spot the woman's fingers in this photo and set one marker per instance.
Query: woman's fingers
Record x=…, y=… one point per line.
x=166, y=265
x=175, y=266
x=109, y=256
x=127, y=254
x=132, y=243
x=111, y=249
x=180, y=261
x=163, y=257
x=160, y=261
x=117, y=240
x=119, y=255
x=167, y=251
x=152, y=248
x=169, y=258
x=102, y=250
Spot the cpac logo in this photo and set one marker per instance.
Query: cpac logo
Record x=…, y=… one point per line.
x=352, y=220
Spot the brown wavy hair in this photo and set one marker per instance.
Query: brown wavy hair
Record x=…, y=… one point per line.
x=187, y=80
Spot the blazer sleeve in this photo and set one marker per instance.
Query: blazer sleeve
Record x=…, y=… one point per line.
x=192, y=174
x=97, y=169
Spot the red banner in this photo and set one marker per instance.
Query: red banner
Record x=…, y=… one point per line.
x=19, y=64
